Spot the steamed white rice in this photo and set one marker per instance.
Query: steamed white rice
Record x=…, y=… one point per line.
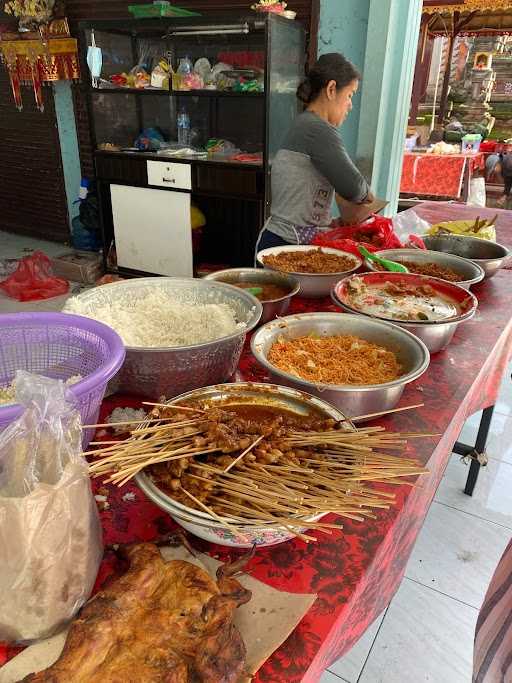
x=158, y=321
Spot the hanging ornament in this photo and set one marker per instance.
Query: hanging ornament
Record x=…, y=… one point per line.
x=34, y=61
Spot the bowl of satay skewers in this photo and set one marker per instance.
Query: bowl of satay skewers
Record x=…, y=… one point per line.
x=257, y=464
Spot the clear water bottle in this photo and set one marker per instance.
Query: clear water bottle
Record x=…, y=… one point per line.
x=183, y=127
x=185, y=67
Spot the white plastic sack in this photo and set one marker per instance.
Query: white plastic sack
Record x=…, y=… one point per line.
x=50, y=536
x=477, y=193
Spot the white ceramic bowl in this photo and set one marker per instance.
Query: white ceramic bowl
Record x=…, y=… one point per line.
x=313, y=285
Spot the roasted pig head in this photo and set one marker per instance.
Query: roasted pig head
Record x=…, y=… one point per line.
x=161, y=622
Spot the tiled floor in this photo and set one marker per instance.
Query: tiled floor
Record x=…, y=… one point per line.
x=426, y=633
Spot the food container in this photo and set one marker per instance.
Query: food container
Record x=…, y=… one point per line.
x=487, y=231
x=170, y=371
x=471, y=143
x=313, y=285
x=200, y=523
x=273, y=308
x=436, y=334
x=60, y=346
x=471, y=272
x=490, y=256
x=353, y=400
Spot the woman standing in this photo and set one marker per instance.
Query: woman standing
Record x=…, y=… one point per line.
x=312, y=164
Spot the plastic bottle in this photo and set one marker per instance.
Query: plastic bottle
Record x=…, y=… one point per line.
x=183, y=127
x=184, y=69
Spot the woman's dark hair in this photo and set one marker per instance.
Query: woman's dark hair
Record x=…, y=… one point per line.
x=330, y=67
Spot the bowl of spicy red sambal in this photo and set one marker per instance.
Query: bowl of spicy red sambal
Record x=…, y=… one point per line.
x=274, y=290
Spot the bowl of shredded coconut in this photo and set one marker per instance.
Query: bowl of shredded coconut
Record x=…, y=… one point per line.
x=180, y=334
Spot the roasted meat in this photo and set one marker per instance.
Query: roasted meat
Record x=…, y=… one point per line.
x=158, y=623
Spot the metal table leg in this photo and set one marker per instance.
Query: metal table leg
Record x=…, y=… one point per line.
x=476, y=452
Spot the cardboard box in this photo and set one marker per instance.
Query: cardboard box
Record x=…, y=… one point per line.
x=78, y=266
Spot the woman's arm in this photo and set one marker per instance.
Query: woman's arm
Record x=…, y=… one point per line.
x=330, y=158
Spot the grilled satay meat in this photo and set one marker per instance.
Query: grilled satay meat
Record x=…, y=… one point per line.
x=158, y=623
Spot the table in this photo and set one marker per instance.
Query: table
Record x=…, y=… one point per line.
x=432, y=211
x=439, y=175
x=355, y=573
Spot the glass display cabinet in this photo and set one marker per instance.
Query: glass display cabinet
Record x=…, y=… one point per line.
x=189, y=112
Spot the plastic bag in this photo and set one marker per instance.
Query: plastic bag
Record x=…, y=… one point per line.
x=477, y=192
x=50, y=536
x=139, y=77
x=376, y=234
x=150, y=140
x=33, y=280
x=409, y=227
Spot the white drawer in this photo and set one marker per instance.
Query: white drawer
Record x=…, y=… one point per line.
x=173, y=176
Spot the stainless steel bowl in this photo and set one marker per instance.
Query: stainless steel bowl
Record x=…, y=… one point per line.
x=312, y=285
x=470, y=271
x=170, y=371
x=435, y=334
x=204, y=525
x=354, y=401
x=274, y=308
x=488, y=255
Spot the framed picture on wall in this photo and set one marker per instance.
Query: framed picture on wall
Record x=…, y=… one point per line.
x=483, y=61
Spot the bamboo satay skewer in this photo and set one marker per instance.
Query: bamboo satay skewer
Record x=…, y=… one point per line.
x=265, y=501
x=334, y=484
x=121, y=464
x=353, y=500
x=348, y=512
x=168, y=428
x=314, y=501
x=213, y=514
x=253, y=495
x=386, y=412
x=139, y=445
x=131, y=471
x=173, y=406
x=356, y=496
x=302, y=524
x=144, y=420
x=272, y=518
x=129, y=444
x=244, y=453
x=132, y=450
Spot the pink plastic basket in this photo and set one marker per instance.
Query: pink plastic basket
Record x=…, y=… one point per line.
x=60, y=345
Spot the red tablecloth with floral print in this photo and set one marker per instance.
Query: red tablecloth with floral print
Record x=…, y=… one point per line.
x=355, y=572
x=439, y=175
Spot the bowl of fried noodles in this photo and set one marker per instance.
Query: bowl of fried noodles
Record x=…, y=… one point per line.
x=360, y=365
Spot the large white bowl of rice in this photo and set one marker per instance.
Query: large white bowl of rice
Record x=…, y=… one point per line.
x=180, y=334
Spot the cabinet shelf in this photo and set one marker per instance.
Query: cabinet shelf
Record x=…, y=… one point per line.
x=233, y=196
x=176, y=93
